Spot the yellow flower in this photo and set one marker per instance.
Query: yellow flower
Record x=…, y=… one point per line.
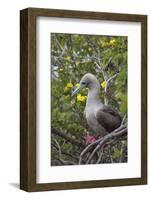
x=69, y=85
x=103, y=84
x=78, y=85
x=112, y=42
x=103, y=42
x=61, y=69
x=81, y=98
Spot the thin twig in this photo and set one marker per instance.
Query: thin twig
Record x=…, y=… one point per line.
x=60, y=154
x=123, y=120
x=122, y=149
x=65, y=153
x=88, y=148
x=111, y=159
x=100, y=157
x=102, y=71
x=107, y=82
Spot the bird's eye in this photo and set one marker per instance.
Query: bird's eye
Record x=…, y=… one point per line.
x=83, y=83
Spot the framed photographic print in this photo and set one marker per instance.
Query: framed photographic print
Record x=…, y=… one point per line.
x=83, y=99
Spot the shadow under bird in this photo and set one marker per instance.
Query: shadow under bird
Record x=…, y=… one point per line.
x=100, y=118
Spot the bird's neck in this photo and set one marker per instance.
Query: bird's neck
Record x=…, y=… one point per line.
x=93, y=96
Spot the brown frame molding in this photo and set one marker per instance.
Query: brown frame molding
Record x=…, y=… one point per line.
x=28, y=98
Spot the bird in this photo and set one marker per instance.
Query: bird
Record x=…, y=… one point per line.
x=101, y=119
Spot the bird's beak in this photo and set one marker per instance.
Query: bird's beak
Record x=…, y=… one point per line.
x=77, y=90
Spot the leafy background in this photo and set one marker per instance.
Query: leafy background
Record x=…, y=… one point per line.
x=72, y=56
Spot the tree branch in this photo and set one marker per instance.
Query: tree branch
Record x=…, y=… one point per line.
x=66, y=137
x=107, y=82
x=64, y=152
x=60, y=155
x=98, y=144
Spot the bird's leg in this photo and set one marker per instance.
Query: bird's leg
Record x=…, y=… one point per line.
x=89, y=139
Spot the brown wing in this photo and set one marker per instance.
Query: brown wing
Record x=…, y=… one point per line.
x=108, y=118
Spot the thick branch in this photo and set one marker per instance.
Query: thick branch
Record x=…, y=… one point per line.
x=98, y=144
x=106, y=139
x=66, y=137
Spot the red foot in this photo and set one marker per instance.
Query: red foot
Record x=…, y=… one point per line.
x=89, y=139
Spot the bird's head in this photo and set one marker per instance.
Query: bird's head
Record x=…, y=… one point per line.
x=89, y=81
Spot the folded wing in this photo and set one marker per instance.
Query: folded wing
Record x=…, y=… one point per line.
x=108, y=118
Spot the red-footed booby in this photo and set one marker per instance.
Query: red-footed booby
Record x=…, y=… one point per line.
x=100, y=118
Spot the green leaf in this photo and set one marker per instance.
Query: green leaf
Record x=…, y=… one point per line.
x=117, y=153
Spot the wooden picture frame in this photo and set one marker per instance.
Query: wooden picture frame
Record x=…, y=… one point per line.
x=28, y=98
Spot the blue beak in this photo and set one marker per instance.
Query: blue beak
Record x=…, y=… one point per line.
x=77, y=90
